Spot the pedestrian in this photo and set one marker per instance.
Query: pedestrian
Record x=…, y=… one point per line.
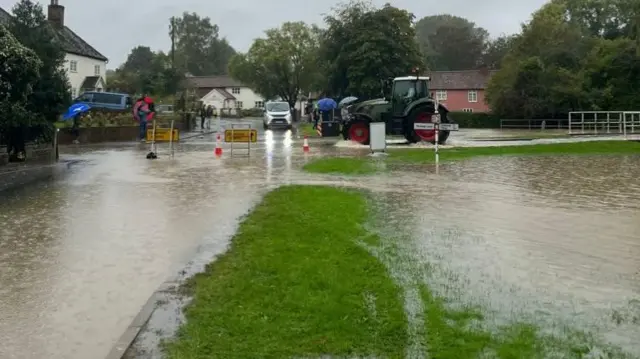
x=316, y=115
x=209, y=116
x=75, y=128
x=143, y=114
x=203, y=116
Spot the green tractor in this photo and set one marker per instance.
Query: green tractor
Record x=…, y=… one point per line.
x=409, y=103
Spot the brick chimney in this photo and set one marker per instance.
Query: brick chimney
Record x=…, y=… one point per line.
x=56, y=14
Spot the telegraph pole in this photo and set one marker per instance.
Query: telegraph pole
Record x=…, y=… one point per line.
x=173, y=42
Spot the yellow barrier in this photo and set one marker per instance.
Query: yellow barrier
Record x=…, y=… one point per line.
x=163, y=135
x=241, y=135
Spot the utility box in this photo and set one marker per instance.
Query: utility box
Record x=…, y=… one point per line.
x=330, y=128
x=377, y=136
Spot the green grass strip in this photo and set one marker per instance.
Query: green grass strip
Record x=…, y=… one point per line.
x=342, y=165
x=295, y=284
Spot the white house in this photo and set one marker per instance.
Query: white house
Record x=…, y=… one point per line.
x=86, y=67
x=224, y=92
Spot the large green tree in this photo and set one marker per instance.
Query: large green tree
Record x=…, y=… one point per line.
x=282, y=64
x=541, y=74
x=572, y=55
x=199, y=48
x=496, y=50
x=19, y=74
x=363, y=45
x=146, y=71
x=451, y=43
x=51, y=93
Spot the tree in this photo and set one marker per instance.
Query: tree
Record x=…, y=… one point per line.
x=146, y=71
x=496, y=50
x=138, y=59
x=363, y=45
x=280, y=65
x=540, y=75
x=51, y=93
x=199, y=48
x=18, y=75
x=451, y=43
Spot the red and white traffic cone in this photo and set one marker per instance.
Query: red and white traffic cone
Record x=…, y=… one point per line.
x=305, y=144
x=218, y=150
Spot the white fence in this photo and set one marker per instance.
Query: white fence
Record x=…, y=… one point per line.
x=604, y=123
x=552, y=123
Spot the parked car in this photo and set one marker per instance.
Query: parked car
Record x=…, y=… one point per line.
x=164, y=109
x=277, y=114
x=109, y=100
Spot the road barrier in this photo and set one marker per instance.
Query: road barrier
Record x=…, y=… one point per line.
x=163, y=135
x=243, y=134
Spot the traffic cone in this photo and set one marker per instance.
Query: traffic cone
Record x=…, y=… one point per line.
x=218, y=151
x=305, y=144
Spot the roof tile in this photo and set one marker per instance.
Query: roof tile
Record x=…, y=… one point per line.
x=212, y=82
x=460, y=80
x=69, y=40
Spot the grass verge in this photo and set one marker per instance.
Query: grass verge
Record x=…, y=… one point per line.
x=342, y=165
x=306, y=129
x=295, y=283
x=415, y=155
x=575, y=148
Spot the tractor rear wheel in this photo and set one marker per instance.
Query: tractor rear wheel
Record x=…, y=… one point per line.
x=358, y=131
x=424, y=115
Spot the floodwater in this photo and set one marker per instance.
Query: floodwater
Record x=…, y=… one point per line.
x=80, y=255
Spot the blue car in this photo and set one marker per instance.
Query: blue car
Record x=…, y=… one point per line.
x=108, y=100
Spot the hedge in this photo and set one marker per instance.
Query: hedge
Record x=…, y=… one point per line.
x=475, y=120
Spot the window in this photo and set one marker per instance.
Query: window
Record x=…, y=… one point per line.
x=407, y=89
x=278, y=107
x=259, y=104
x=74, y=92
x=73, y=66
x=472, y=96
x=467, y=110
x=235, y=90
x=239, y=104
x=85, y=97
x=101, y=97
x=441, y=95
x=96, y=70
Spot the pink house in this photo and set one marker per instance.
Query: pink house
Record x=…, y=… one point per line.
x=461, y=91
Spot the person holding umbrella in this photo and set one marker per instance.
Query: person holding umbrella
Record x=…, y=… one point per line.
x=143, y=112
x=76, y=112
x=326, y=105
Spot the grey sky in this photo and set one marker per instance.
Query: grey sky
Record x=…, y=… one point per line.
x=114, y=27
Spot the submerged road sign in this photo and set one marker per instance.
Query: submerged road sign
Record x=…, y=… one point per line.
x=241, y=135
x=432, y=126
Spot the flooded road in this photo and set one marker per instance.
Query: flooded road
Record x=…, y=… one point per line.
x=79, y=256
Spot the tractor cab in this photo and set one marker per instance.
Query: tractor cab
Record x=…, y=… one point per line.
x=405, y=91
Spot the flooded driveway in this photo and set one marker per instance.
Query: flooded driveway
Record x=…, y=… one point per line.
x=79, y=256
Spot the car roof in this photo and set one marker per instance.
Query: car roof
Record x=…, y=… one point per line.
x=106, y=93
x=407, y=78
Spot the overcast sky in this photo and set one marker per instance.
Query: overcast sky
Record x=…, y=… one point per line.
x=113, y=27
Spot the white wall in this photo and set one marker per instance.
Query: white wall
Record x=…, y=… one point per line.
x=85, y=67
x=246, y=96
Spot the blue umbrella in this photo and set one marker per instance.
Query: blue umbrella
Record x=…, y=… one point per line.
x=327, y=104
x=75, y=109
